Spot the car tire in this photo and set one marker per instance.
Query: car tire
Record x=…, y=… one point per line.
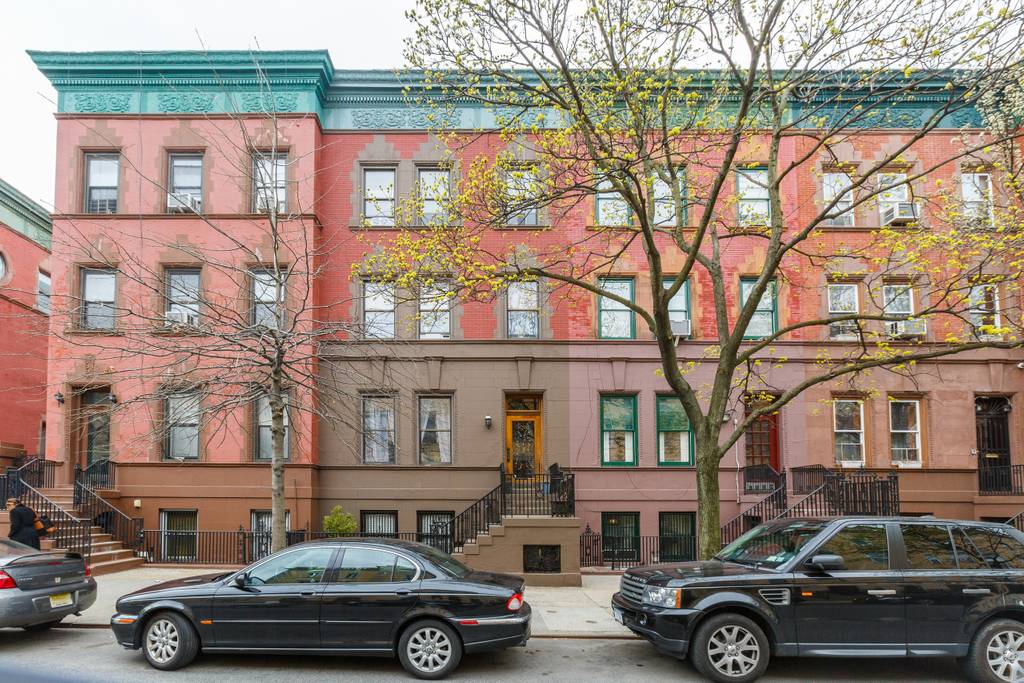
x=430, y=649
x=45, y=626
x=169, y=642
x=730, y=648
x=1003, y=636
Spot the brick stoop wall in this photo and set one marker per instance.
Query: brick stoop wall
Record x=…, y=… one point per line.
x=501, y=550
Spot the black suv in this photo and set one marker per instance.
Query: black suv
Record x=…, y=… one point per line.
x=864, y=586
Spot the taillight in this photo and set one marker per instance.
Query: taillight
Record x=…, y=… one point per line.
x=88, y=569
x=6, y=581
x=514, y=603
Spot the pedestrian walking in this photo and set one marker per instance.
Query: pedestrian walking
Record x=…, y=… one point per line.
x=23, y=527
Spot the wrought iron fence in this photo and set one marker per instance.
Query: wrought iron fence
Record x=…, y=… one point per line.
x=807, y=478
x=760, y=478
x=1000, y=480
x=110, y=520
x=550, y=495
x=770, y=507
x=70, y=533
x=101, y=474
x=623, y=552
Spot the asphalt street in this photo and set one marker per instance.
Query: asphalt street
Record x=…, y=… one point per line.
x=67, y=655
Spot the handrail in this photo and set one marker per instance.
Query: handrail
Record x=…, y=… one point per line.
x=71, y=533
x=101, y=474
x=1017, y=521
x=121, y=527
x=765, y=509
x=807, y=478
x=37, y=472
x=1000, y=480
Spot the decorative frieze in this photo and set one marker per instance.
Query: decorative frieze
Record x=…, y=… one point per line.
x=101, y=102
x=186, y=103
x=409, y=118
x=270, y=102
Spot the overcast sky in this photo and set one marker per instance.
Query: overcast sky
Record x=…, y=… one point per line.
x=360, y=34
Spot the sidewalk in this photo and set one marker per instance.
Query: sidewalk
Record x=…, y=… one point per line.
x=557, y=612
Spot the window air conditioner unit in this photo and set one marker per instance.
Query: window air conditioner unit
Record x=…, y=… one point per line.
x=912, y=327
x=899, y=213
x=184, y=202
x=175, y=318
x=681, y=328
x=846, y=329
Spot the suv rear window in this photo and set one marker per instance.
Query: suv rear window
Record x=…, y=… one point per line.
x=928, y=546
x=1000, y=548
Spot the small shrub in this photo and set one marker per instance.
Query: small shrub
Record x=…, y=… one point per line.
x=339, y=522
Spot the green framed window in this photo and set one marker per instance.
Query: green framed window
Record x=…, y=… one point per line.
x=675, y=439
x=753, y=203
x=678, y=305
x=618, y=430
x=764, y=322
x=610, y=209
x=615, y=320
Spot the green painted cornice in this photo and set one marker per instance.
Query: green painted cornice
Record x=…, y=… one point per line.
x=23, y=215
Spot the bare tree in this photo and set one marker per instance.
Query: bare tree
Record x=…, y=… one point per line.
x=694, y=123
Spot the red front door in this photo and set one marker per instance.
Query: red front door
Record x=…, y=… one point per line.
x=763, y=440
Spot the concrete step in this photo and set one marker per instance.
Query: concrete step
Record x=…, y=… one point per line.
x=109, y=555
x=496, y=530
x=471, y=549
x=121, y=565
x=483, y=539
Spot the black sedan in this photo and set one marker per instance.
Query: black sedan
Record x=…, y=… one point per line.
x=360, y=597
x=38, y=589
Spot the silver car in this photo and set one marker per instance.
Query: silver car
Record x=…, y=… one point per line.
x=38, y=589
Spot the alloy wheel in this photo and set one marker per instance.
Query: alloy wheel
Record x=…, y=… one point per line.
x=1005, y=655
x=429, y=649
x=733, y=650
x=162, y=641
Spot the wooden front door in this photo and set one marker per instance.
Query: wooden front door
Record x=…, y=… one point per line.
x=93, y=442
x=992, y=424
x=524, y=450
x=763, y=440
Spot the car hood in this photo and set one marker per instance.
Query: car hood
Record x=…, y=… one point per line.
x=186, y=583
x=495, y=579
x=662, y=573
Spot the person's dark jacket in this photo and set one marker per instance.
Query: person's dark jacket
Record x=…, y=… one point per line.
x=23, y=529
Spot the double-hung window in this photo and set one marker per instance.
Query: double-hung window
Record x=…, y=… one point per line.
x=905, y=431
x=674, y=436
x=183, y=414
x=679, y=304
x=664, y=203
x=984, y=310
x=379, y=310
x=523, y=314
x=101, y=181
x=753, y=206
x=435, y=314
x=44, y=291
x=837, y=186
x=610, y=208
x=435, y=193
x=98, y=297
x=270, y=182
x=435, y=430
x=848, y=425
x=615, y=319
x=264, y=428
x=182, y=305
x=763, y=322
x=894, y=205
x=521, y=191
x=266, y=304
x=618, y=430
x=898, y=302
x=379, y=193
x=976, y=189
x=379, y=430
x=185, y=183
x=843, y=300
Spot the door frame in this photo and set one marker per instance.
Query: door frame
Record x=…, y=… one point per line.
x=80, y=424
x=1001, y=478
x=534, y=416
x=774, y=441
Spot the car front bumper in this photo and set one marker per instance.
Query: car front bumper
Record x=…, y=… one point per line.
x=667, y=629
x=481, y=634
x=26, y=608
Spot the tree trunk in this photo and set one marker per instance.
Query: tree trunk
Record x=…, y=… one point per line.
x=709, y=521
x=278, y=513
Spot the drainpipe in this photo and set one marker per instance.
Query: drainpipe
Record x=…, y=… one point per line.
x=736, y=455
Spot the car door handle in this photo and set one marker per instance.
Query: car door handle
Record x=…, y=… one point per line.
x=403, y=592
x=881, y=592
x=307, y=594
x=976, y=591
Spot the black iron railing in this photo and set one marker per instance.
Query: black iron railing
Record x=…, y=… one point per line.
x=70, y=533
x=127, y=530
x=36, y=472
x=476, y=519
x=1000, y=480
x=1017, y=521
x=550, y=495
x=623, y=552
x=769, y=507
x=101, y=474
x=850, y=494
x=242, y=547
x=807, y=478
x=760, y=478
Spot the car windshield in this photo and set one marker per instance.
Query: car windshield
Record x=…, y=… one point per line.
x=770, y=545
x=445, y=561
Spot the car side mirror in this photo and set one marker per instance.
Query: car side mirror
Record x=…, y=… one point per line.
x=827, y=563
x=241, y=580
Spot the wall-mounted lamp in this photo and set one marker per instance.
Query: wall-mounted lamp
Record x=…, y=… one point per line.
x=727, y=416
x=487, y=421
x=112, y=399
x=59, y=397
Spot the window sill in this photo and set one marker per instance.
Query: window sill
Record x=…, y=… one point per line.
x=859, y=465
x=514, y=228
x=177, y=331
x=907, y=465
x=91, y=332
x=689, y=465
x=618, y=464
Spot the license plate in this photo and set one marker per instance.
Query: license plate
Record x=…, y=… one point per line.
x=61, y=600
x=618, y=615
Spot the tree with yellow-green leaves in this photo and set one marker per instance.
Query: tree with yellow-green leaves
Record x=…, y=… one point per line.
x=777, y=140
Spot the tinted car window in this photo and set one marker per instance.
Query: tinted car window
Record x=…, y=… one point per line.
x=967, y=555
x=365, y=565
x=928, y=546
x=404, y=570
x=1001, y=550
x=862, y=547
x=299, y=566
x=770, y=545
